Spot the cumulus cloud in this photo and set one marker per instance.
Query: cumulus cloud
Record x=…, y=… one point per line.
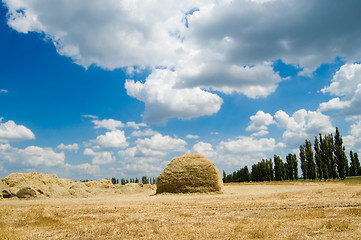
x=136, y=125
x=145, y=132
x=254, y=82
x=302, y=125
x=3, y=91
x=254, y=33
x=260, y=121
x=225, y=46
x=31, y=156
x=147, y=154
x=246, y=145
x=70, y=147
x=159, y=145
x=99, y=158
x=244, y=150
x=111, y=35
x=162, y=100
x=346, y=83
x=205, y=149
x=190, y=136
x=334, y=104
x=109, y=124
x=353, y=140
x=90, y=116
x=84, y=169
x=9, y=131
x=113, y=139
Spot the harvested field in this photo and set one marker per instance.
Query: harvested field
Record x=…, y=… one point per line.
x=288, y=210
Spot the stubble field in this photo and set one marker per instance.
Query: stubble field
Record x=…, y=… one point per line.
x=288, y=210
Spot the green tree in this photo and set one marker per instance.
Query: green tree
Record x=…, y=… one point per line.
x=255, y=173
x=355, y=164
x=114, y=180
x=311, y=166
x=303, y=162
x=340, y=155
x=292, y=170
x=332, y=161
x=145, y=180
x=279, y=168
x=318, y=158
x=245, y=176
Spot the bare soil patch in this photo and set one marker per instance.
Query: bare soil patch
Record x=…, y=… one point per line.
x=300, y=210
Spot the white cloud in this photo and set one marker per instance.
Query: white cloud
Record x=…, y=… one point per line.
x=90, y=116
x=246, y=145
x=254, y=82
x=112, y=34
x=113, y=139
x=224, y=46
x=145, y=132
x=159, y=145
x=346, y=83
x=84, y=169
x=9, y=131
x=162, y=100
x=119, y=34
x=69, y=147
x=190, y=136
x=136, y=125
x=109, y=124
x=31, y=156
x=259, y=133
x=205, y=149
x=244, y=151
x=99, y=158
x=302, y=125
x=334, y=104
x=260, y=121
x=148, y=153
x=353, y=140
x=3, y=91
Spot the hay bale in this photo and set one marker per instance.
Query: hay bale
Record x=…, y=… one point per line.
x=190, y=173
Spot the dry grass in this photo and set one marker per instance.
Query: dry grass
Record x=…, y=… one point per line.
x=326, y=210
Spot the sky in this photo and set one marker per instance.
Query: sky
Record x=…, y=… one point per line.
x=98, y=89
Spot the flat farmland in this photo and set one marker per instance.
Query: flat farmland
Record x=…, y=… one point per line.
x=278, y=210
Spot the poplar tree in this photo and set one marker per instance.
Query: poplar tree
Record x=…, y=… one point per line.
x=318, y=158
x=340, y=155
x=311, y=166
x=332, y=160
x=354, y=164
x=279, y=168
x=303, y=162
x=292, y=170
x=245, y=176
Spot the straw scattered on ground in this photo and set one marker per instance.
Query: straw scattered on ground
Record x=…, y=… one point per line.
x=299, y=210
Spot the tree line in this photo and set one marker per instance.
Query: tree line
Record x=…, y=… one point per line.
x=144, y=180
x=325, y=159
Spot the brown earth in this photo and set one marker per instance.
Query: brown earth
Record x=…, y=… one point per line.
x=286, y=210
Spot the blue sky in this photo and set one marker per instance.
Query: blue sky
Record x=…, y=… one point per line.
x=118, y=88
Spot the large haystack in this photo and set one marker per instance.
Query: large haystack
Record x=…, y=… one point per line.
x=188, y=174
